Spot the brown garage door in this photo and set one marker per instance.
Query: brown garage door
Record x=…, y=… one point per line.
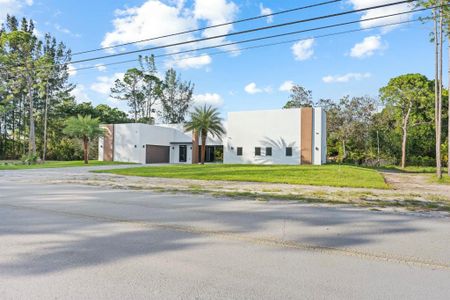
x=157, y=154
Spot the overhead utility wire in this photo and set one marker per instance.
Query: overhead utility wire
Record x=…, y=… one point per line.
x=280, y=35
x=209, y=27
x=242, y=32
x=252, y=47
x=272, y=36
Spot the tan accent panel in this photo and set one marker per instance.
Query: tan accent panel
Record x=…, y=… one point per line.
x=108, y=143
x=195, y=148
x=306, y=119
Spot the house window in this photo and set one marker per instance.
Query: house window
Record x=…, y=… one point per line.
x=239, y=151
x=257, y=151
x=288, y=151
x=268, y=151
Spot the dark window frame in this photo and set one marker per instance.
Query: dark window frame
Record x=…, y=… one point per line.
x=288, y=151
x=268, y=151
x=257, y=151
x=239, y=151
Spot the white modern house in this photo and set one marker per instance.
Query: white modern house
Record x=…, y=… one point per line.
x=282, y=136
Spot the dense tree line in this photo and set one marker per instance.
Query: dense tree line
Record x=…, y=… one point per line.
x=36, y=99
x=34, y=88
x=398, y=130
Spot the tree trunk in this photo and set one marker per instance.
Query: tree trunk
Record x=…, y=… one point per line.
x=32, y=136
x=344, y=151
x=44, y=150
x=203, y=154
x=85, y=149
x=448, y=114
x=404, y=137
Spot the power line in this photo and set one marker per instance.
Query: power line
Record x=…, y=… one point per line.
x=274, y=36
x=270, y=36
x=243, y=32
x=254, y=47
x=211, y=26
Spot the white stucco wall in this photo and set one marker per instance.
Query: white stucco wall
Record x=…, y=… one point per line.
x=127, y=145
x=130, y=141
x=175, y=154
x=268, y=128
x=319, y=136
x=324, y=137
x=100, y=149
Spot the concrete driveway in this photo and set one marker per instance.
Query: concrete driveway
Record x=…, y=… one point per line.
x=83, y=242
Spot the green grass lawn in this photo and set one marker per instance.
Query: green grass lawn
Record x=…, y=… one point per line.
x=9, y=165
x=327, y=175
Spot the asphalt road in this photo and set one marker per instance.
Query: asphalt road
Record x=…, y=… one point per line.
x=86, y=242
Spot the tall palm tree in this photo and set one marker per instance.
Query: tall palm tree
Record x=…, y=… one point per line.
x=205, y=120
x=85, y=128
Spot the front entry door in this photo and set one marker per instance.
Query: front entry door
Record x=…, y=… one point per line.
x=183, y=153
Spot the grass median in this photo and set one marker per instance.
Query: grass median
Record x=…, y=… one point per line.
x=326, y=175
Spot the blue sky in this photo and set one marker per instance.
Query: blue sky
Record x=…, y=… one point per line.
x=355, y=64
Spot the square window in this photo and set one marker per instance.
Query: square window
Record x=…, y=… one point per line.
x=288, y=151
x=239, y=151
x=268, y=151
x=257, y=151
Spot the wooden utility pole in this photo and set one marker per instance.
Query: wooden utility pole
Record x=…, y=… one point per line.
x=437, y=94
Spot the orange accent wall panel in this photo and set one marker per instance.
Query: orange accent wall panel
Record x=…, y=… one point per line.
x=108, y=143
x=306, y=138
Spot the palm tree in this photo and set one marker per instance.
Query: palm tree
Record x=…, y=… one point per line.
x=205, y=120
x=85, y=128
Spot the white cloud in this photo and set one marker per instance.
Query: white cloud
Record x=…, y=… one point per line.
x=145, y=21
x=367, y=47
x=189, y=62
x=251, y=88
x=360, y=4
x=345, y=78
x=66, y=30
x=104, y=83
x=212, y=99
x=12, y=7
x=266, y=11
x=303, y=50
x=79, y=92
x=71, y=70
x=286, y=86
x=100, y=67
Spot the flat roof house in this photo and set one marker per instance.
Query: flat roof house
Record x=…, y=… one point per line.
x=282, y=136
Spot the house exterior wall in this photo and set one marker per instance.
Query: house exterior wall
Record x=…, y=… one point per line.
x=306, y=132
x=100, y=148
x=302, y=130
x=127, y=145
x=175, y=154
x=270, y=128
x=319, y=137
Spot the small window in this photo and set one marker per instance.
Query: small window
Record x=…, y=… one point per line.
x=288, y=151
x=268, y=151
x=257, y=151
x=239, y=151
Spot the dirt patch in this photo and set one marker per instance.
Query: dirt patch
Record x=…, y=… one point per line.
x=416, y=183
